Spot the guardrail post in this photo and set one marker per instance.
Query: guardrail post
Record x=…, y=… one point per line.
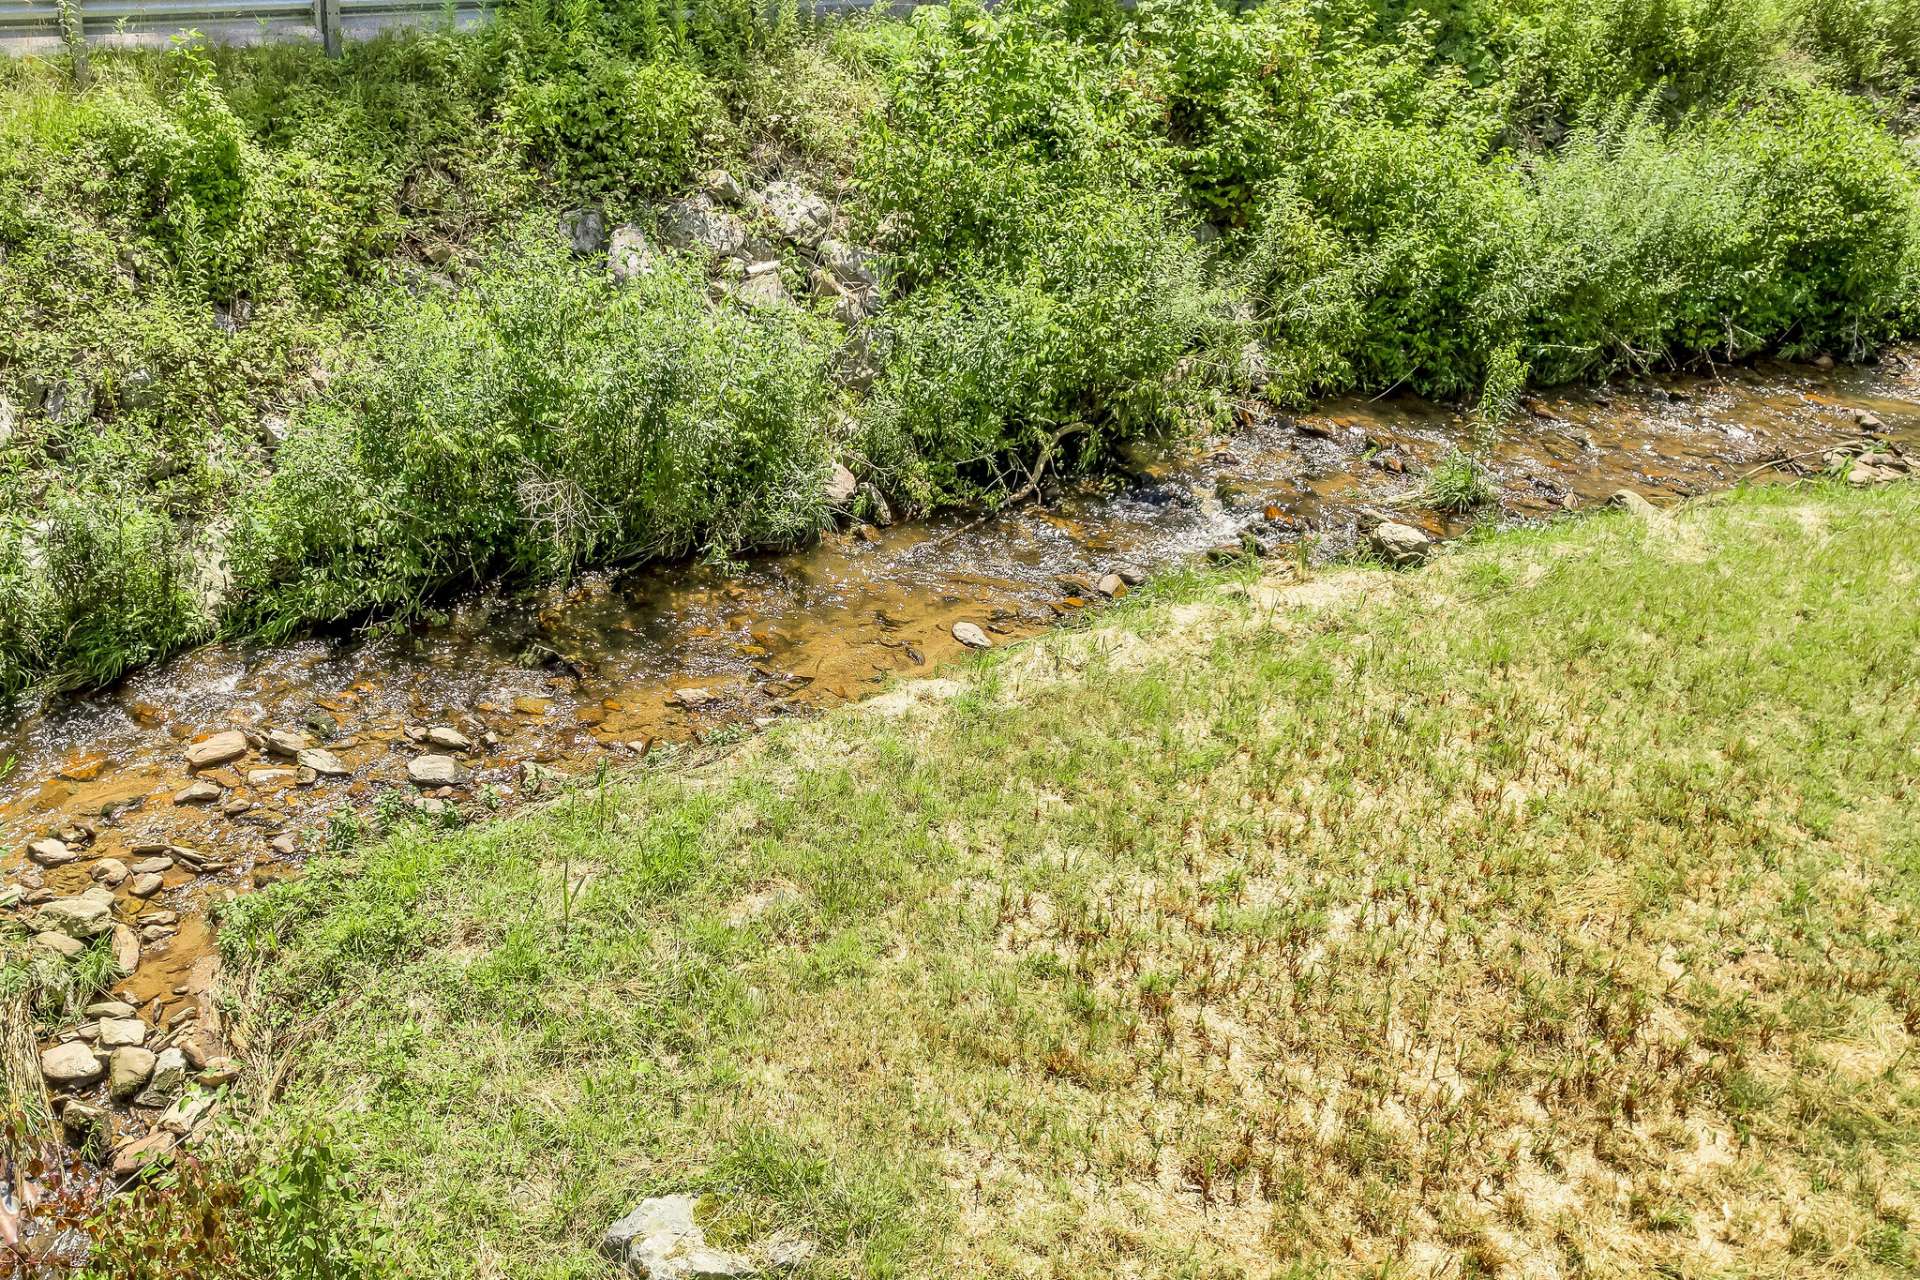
x=326, y=16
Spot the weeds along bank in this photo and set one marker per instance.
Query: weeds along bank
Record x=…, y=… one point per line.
x=1548, y=911
x=294, y=342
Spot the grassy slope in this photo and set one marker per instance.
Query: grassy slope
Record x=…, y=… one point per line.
x=1551, y=909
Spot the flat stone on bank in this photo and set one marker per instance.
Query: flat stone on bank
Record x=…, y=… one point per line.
x=435, y=771
x=70, y=1064
x=51, y=852
x=971, y=636
x=86, y=916
x=126, y=949
x=1628, y=500
x=127, y=1071
x=121, y=1033
x=198, y=793
x=323, y=762
x=60, y=944
x=146, y=886
x=1401, y=544
x=222, y=748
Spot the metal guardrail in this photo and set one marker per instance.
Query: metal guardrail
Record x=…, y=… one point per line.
x=35, y=26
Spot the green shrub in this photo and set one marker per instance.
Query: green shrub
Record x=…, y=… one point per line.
x=540, y=419
x=1055, y=294
x=183, y=163
x=1109, y=331
x=294, y=1215
x=618, y=126
x=98, y=584
x=1873, y=43
x=1457, y=483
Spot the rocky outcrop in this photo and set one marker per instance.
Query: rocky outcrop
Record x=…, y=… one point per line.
x=696, y=225
x=628, y=255
x=585, y=231
x=802, y=216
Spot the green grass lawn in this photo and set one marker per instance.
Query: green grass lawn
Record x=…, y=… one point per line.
x=1552, y=911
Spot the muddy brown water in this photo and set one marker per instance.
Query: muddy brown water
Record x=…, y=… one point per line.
x=599, y=671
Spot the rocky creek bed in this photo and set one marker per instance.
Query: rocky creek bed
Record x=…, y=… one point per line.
x=130, y=814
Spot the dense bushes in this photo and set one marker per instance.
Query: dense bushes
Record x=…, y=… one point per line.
x=538, y=420
x=1087, y=216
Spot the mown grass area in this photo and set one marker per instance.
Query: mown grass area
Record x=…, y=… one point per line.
x=296, y=341
x=1548, y=911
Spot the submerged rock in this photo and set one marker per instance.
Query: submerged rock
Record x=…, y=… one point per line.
x=198, y=793
x=323, y=762
x=286, y=742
